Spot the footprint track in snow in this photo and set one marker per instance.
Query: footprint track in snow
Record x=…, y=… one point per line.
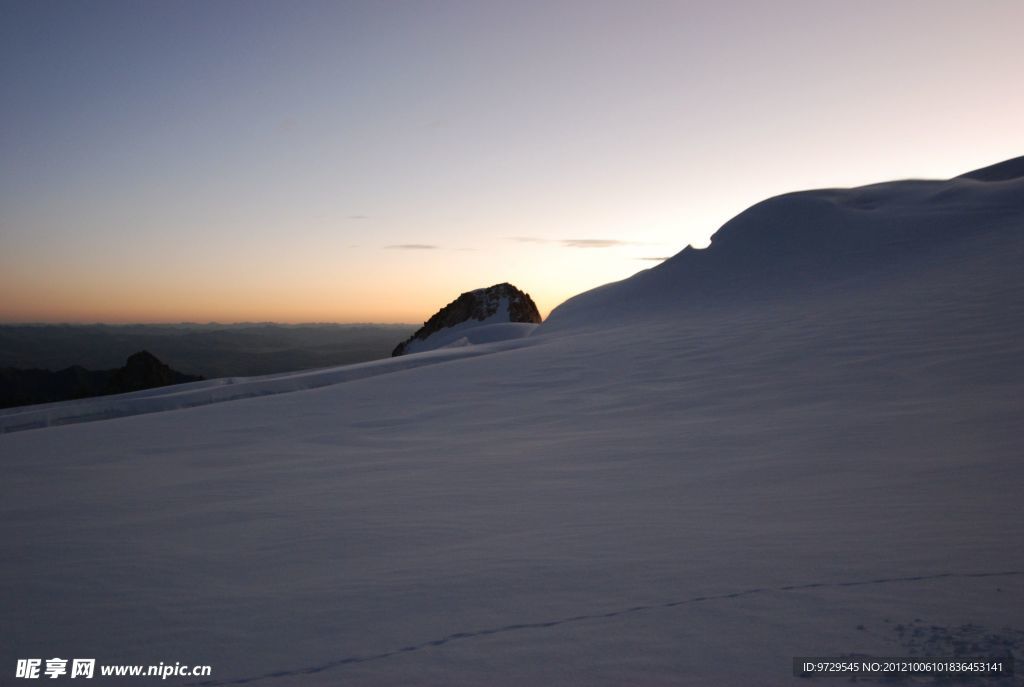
x=461, y=636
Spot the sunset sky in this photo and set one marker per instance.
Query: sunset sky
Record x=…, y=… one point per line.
x=368, y=161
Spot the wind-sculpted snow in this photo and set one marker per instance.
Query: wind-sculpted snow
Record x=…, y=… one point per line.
x=1010, y=170
x=800, y=244
x=803, y=441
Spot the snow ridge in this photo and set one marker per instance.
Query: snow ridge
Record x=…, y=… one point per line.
x=789, y=246
x=194, y=394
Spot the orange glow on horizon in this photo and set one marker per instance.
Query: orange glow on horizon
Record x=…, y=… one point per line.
x=335, y=162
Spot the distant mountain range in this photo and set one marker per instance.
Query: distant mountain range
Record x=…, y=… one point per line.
x=210, y=350
x=141, y=371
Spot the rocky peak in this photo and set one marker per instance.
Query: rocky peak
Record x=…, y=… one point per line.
x=499, y=303
x=143, y=370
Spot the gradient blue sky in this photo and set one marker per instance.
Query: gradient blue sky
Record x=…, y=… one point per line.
x=368, y=161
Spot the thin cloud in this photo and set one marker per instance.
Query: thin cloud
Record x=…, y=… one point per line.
x=573, y=243
x=359, y=217
x=412, y=246
x=286, y=125
x=528, y=239
x=661, y=259
x=593, y=243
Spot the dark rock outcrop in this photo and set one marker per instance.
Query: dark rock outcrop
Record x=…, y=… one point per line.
x=142, y=370
x=480, y=305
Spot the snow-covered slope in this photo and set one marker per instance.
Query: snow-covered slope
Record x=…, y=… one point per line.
x=235, y=388
x=802, y=441
x=813, y=242
x=495, y=328
x=471, y=333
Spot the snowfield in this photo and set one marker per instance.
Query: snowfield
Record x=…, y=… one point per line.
x=804, y=440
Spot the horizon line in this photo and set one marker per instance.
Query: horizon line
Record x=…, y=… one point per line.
x=212, y=323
